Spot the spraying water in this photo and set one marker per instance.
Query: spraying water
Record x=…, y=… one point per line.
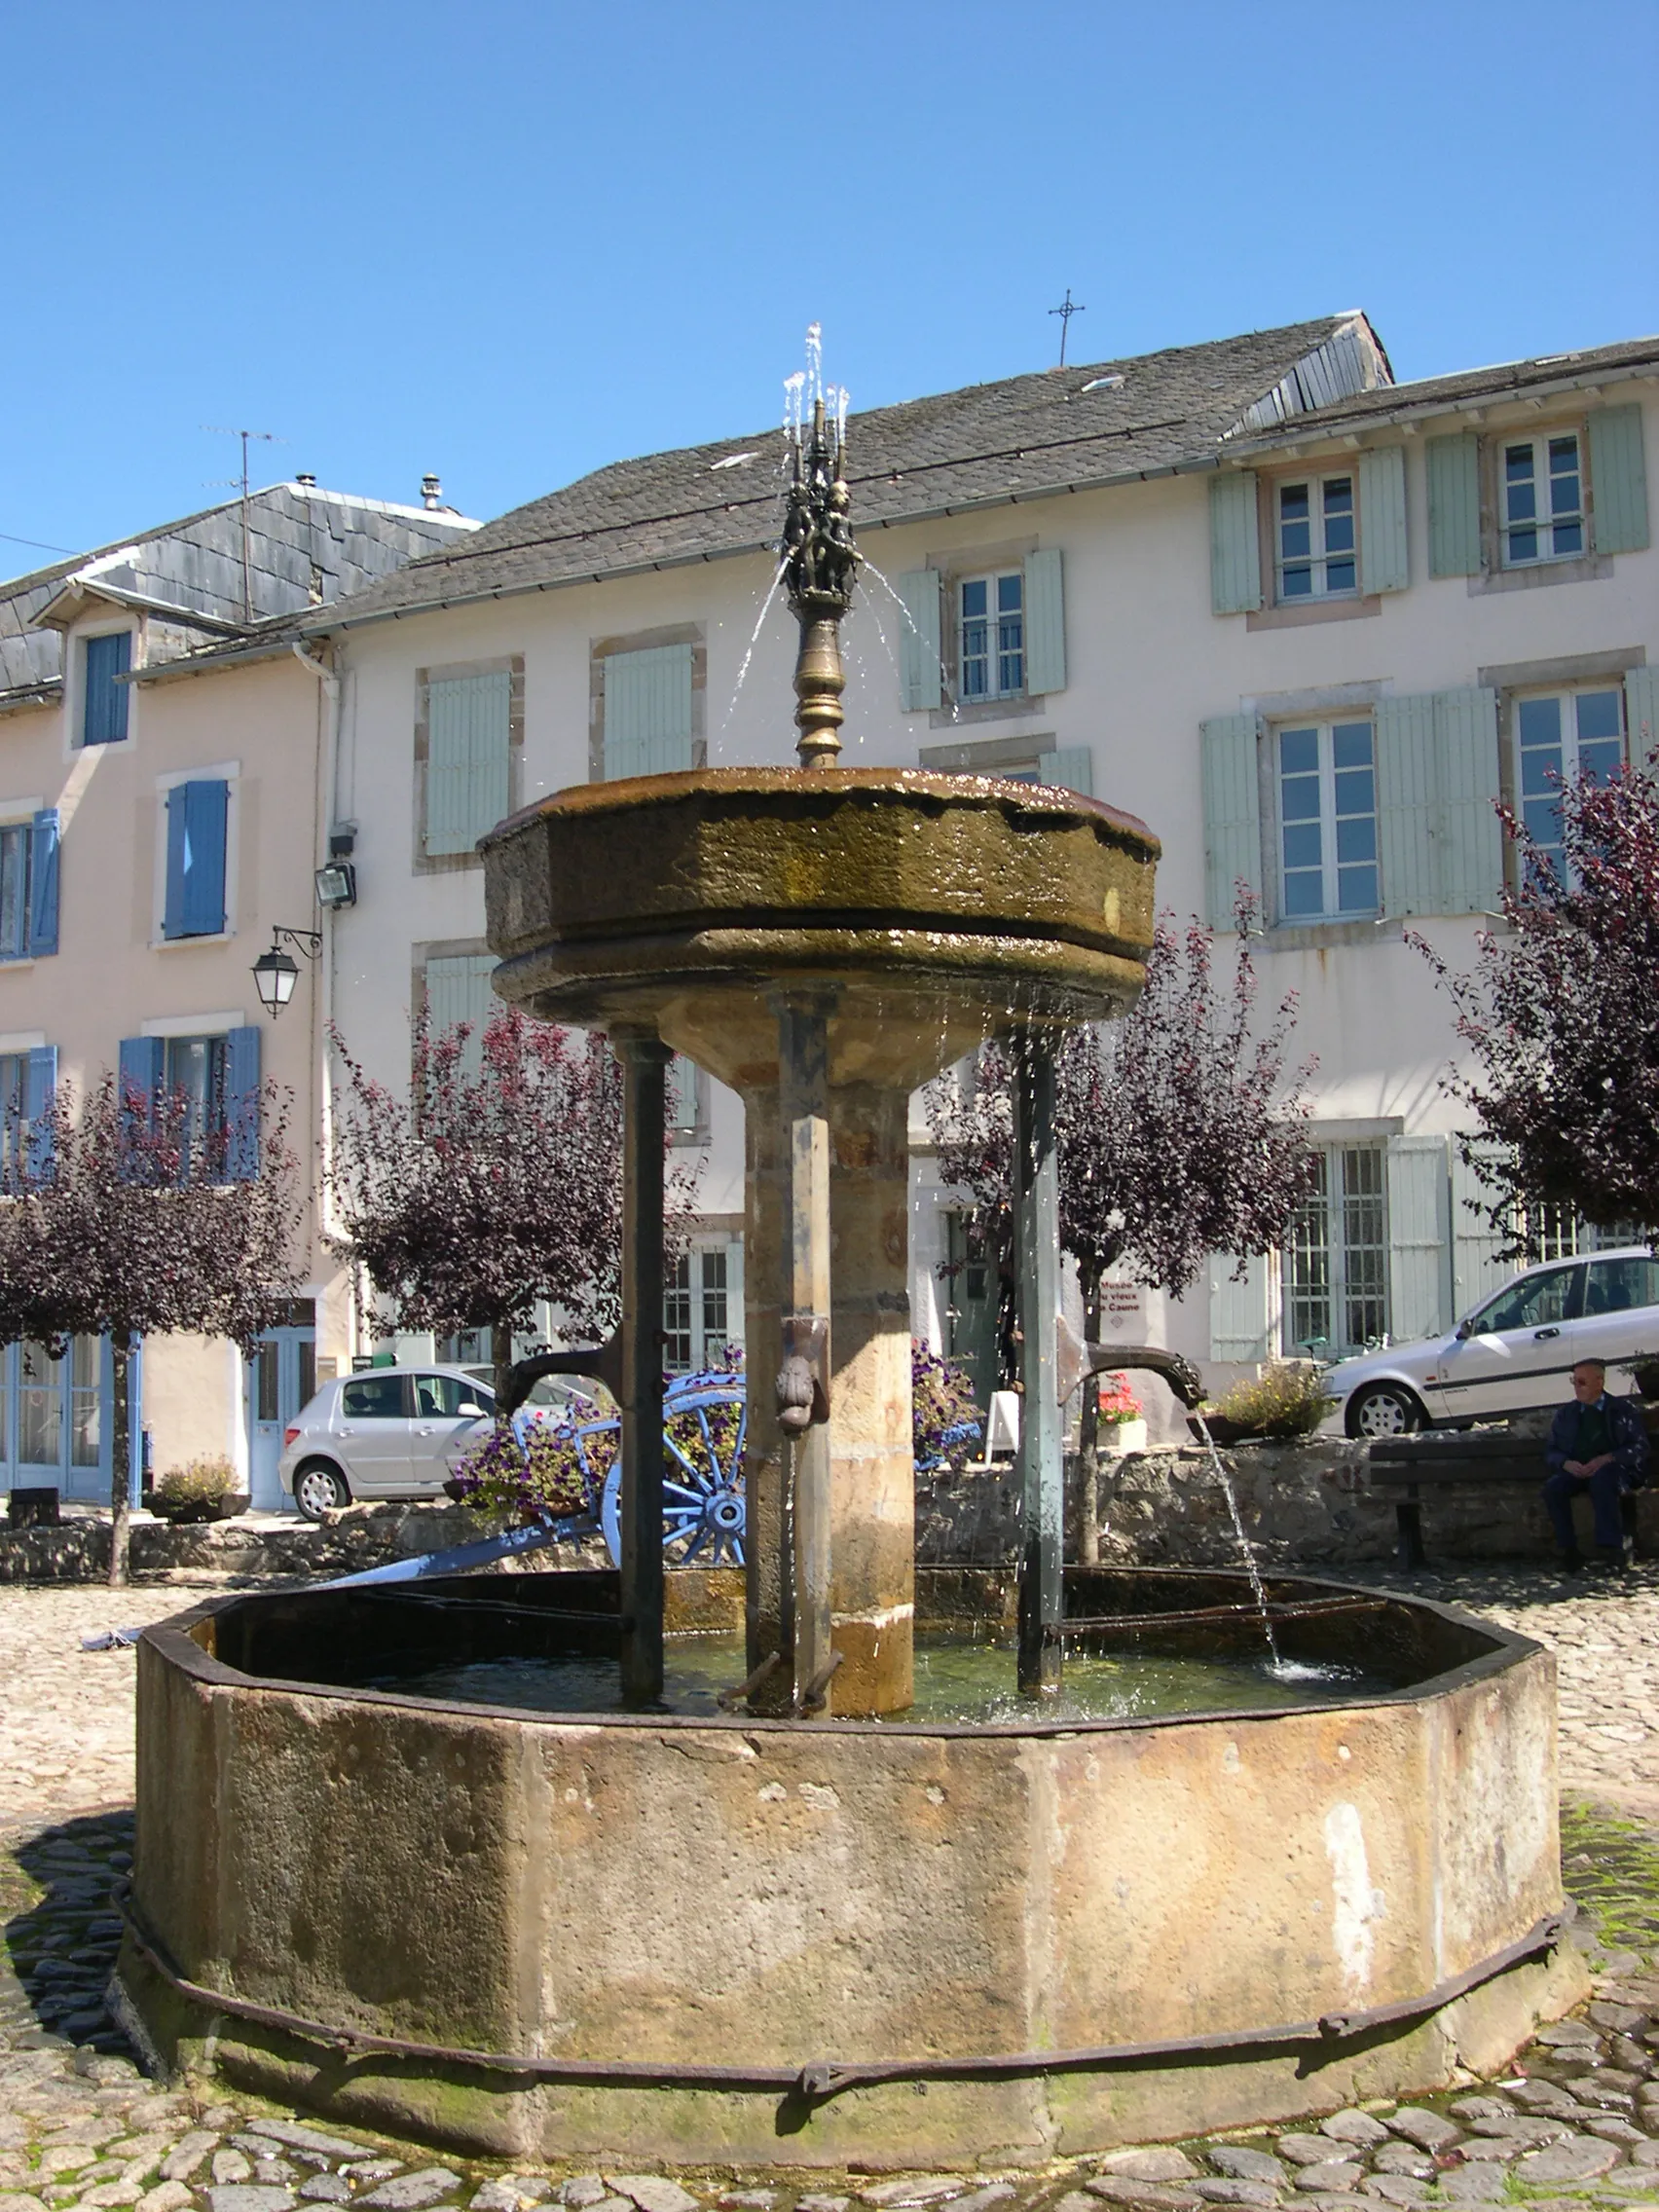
x=749, y=655
x=1244, y=1543
x=945, y=686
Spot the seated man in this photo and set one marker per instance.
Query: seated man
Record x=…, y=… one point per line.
x=1598, y=1444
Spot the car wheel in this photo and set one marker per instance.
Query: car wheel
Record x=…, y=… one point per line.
x=319, y=1488
x=1384, y=1409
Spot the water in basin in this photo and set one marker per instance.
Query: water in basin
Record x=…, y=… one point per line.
x=959, y=1678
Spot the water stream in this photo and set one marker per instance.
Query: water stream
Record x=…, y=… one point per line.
x=1244, y=1544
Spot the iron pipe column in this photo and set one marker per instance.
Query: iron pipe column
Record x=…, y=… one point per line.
x=1042, y=1465
x=644, y=1106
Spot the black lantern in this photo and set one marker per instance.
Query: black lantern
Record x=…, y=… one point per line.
x=276, y=972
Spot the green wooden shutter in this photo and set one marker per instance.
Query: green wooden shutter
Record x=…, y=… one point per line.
x=1383, y=562
x=1476, y=1268
x=1642, y=713
x=680, y=1092
x=1453, y=506
x=1045, y=621
x=1235, y=551
x=1618, y=480
x=468, y=720
x=920, y=677
x=1419, y=1257
x=648, y=712
x=1470, y=835
x=1069, y=766
x=1408, y=805
x=458, y=990
x=1244, y=1325
x=1233, y=812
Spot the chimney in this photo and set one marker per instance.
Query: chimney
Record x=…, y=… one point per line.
x=432, y=491
x=305, y=482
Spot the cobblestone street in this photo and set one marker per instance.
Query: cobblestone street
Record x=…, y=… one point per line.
x=1575, y=2121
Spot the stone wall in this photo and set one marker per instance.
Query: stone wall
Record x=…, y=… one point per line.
x=1311, y=1504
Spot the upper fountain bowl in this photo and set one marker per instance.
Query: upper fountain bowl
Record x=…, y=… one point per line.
x=934, y=908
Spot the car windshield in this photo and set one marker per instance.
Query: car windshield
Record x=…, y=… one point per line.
x=1535, y=1302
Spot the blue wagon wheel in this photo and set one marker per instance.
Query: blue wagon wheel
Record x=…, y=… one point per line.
x=705, y=1420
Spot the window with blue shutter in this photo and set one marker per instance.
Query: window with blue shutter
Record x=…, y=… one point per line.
x=468, y=758
x=647, y=711
x=197, y=817
x=42, y=883
x=40, y=1082
x=28, y=887
x=140, y=1073
x=242, y=1098
x=103, y=704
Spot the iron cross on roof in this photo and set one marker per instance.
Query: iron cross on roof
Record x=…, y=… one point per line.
x=1067, y=308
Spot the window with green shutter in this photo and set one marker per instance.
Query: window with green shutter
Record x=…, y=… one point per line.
x=468, y=759
x=648, y=711
x=458, y=990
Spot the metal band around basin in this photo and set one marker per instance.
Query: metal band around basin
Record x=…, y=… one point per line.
x=826, y=2078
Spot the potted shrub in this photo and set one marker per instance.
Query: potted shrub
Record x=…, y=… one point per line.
x=1286, y=1399
x=1122, y=1417
x=203, y=1489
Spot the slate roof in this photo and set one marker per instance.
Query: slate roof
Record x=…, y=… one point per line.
x=305, y=546
x=990, y=444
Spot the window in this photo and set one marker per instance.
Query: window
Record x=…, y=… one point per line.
x=103, y=705
x=28, y=887
x=446, y=1397
x=1540, y=500
x=1619, y=1286
x=373, y=1398
x=696, y=1311
x=468, y=754
x=1315, y=549
x=683, y=1100
x=991, y=656
x=649, y=704
x=194, y=1069
x=1558, y=737
x=458, y=989
x=1327, y=793
x=1336, y=1263
x=1536, y=1302
x=198, y=815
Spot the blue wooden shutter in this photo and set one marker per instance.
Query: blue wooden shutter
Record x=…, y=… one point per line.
x=1383, y=562
x=1408, y=805
x=1420, y=1253
x=104, y=717
x=140, y=1072
x=1642, y=713
x=197, y=817
x=1242, y=1322
x=243, y=1101
x=1045, y=621
x=920, y=677
x=172, y=910
x=458, y=989
x=647, y=711
x=39, y=1084
x=42, y=883
x=1471, y=836
x=1233, y=813
x=1236, y=549
x=1069, y=766
x=468, y=748
x=1618, y=480
x=1453, y=467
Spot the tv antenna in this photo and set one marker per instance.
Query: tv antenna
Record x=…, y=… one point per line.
x=1067, y=308
x=270, y=438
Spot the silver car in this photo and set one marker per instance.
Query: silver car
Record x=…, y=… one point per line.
x=386, y=1432
x=1514, y=1351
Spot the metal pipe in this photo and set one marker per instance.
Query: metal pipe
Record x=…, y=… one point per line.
x=645, y=1089
x=1042, y=1466
x=826, y=2078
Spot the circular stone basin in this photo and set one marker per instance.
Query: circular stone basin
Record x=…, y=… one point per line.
x=936, y=906
x=697, y=1936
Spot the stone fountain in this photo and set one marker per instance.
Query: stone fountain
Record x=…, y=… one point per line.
x=803, y=1926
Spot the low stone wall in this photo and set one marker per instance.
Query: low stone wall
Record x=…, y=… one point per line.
x=263, y=1550
x=1310, y=1503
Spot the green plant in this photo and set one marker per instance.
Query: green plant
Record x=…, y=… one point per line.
x=200, y=1482
x=1287, y=1399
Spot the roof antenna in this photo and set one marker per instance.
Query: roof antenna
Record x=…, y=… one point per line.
x=1067, y=308
x=217, y=431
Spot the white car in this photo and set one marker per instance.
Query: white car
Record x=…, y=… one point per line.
x=1514, y=1351
x=384, y=1432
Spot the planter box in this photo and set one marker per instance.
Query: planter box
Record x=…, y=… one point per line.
x=1122, y=1436
x=187, y=1512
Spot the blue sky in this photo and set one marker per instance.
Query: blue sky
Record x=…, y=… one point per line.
x=512, y=242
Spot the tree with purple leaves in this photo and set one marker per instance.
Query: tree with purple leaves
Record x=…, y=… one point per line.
x=495, y=1184
x=127, y=1217
x=1559, y=1017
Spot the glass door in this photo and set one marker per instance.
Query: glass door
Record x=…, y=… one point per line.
x=281, y=1379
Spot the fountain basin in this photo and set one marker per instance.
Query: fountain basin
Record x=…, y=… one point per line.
x=676, y=1919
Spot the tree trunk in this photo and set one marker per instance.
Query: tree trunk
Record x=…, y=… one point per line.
x=120, y=1460
x=501, y=1355
x=1088, y=1438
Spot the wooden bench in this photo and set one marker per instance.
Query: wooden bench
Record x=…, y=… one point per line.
x=1454, y=1459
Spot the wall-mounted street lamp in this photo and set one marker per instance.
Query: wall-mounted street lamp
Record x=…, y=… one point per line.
x=276, y=972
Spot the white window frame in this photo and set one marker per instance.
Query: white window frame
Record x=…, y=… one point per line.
x=1320, y=555
x=75, y=684
x=700, y=1291
x=1542, y=523
x=1567, y=695
x=1324, y=727
x=1340, y=1252
x=994, y=654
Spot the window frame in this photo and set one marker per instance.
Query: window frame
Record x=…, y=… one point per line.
x=1540, y=440
x=421, y=862
x=85, y=640
x=1521, y=696
x=602, y=651
x=995, y=653
x=1319, y=557
x=1324, y=724
x=228, y=773
x=20, y=828
x=1340, y=1295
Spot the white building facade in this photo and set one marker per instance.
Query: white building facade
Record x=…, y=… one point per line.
x=1308, y=623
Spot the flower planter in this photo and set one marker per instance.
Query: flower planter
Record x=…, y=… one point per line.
x=1124, y=1436
x=187, y=1512
x=1222, y=1432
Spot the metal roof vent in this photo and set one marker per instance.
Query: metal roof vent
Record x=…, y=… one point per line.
x=306, y=482
x=432, y=491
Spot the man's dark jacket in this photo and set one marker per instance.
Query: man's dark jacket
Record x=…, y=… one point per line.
x=1627, y=1439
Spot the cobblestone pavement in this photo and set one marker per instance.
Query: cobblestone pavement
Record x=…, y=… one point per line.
x=1573, y=2122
